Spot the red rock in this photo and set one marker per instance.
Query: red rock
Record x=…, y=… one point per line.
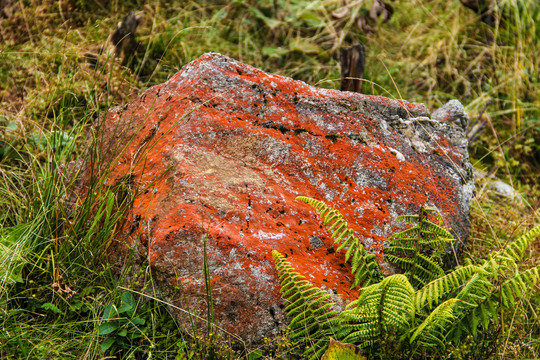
x=223, y=149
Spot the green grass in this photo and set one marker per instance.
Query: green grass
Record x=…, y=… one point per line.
x=58, y=77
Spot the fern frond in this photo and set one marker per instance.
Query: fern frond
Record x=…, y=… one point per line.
x=482, y=294
x=516, y=248
x=365, y=268
x=409, y=219
x=427, y=229
x=437, y=288
x=420, y=269
x=477, y=305
x=422, y=308
x=429, y=332
x=417, y=250
x=475, y=291
x=519, y=285
x=431, y=266
x=413, y=219
x=313, y=320
x=381, y=309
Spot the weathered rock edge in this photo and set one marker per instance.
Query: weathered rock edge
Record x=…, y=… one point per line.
x=222, y=149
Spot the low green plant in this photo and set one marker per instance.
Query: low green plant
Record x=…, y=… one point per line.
x=394, y=319
x=418, y=250
x=313, y=320
x=120, y=327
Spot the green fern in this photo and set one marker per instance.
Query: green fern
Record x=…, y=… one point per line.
x=518, y=285
x=436, y=289
x=382, y=310
x=517, y=248
x=418, y=250
x=364, y=266
x=431, y=332
x=313, y=320
x=485, y=293
x=390, y=316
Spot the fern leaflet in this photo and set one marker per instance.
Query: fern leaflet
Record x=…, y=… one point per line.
x=430, y=332
x=518, y=285
x=436, y=289
x=364, y=266
x=517, y=247
x=313, y=319
x=382, y=309
x=417, y=250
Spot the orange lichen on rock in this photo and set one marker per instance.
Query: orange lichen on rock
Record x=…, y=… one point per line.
x=222, y=149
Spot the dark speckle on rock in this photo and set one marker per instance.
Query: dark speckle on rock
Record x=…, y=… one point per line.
x=315, y=242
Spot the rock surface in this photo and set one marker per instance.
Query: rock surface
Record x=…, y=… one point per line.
x=222, y=149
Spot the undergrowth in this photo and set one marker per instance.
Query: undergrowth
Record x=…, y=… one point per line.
x=58, y=76
x=422, y=313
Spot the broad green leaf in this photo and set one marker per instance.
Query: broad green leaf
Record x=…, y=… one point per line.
x=106, y=344
x=11, y=260
x=274, y=51
x=271, y=23
x=11, y=126
x=110, y=311
x=312, y=19
x=129, y=304
x=138, y=321
x=128, y=299
x=136, y=333
x=125, y=309
x=39, y=141
x=254, y=355
x=107, y=328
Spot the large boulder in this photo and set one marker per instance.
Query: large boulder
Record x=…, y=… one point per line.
x=221, y=150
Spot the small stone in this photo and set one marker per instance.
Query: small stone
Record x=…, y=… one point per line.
x=315, y=242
